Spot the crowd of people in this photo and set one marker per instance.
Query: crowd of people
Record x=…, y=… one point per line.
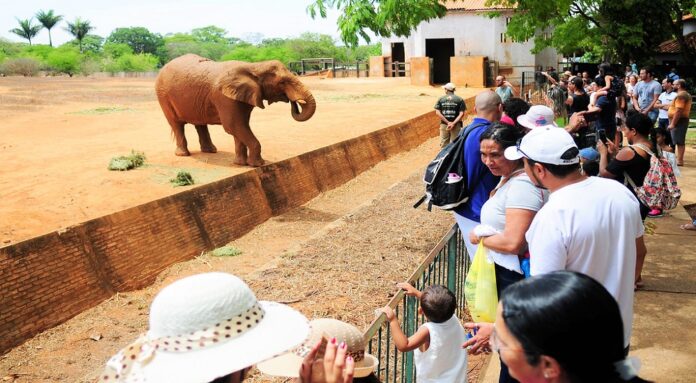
x=538, y=193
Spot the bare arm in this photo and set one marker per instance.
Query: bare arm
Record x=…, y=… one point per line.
x=652, y=104
x=675, y=117
x=401, y=342
x=511, y=240
x=512, y=88
x=634, y=100
x=440, y=116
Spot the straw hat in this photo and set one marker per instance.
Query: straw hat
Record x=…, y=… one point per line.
x=288, y=365
x=203, y=327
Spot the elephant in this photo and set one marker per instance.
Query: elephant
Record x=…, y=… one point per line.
x=196, y=90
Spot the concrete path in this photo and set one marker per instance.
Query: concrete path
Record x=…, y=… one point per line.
x=664, y=323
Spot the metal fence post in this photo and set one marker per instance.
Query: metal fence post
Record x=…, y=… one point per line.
x=452, y=264
x=410, y=317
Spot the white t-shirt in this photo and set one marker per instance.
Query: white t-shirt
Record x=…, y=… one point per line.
x=665, y=98
x=590, y=227
x=517, y=193
x=444, y=361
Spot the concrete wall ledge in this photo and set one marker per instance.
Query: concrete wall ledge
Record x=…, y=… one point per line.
x=49, y=279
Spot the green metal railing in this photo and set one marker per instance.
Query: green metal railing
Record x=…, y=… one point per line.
x=447, y=264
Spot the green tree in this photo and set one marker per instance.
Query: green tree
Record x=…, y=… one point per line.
x=140, y=39
x=116, y=50
x=26, y=29
x=65, y=59
x=210, y=34
x=90, y=43
x=79, y=29
x=616, y=29
x=48, y=20
x=382, y=17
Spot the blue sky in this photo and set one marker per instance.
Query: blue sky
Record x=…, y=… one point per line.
x=272, y=18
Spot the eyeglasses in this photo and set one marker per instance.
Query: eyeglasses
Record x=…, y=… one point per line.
x=519, y=142
x=497, y=345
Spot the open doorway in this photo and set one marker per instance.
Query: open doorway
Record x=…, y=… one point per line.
x=440, y=50
x=398, y=59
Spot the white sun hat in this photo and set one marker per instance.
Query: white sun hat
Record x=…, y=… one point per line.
x=449, y=86
x=547, y=145
x=538, y=116
x=204, y=327
x=288, y=365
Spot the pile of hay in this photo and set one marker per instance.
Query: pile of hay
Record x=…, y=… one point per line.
x=122, y=163
x=182, y=178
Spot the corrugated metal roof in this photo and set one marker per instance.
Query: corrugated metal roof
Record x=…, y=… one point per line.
x=672, y=46
x=472, y=5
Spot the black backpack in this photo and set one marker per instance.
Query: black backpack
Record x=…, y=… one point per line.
x=439, y=192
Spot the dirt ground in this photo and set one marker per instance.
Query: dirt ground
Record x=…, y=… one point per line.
x=57, y=136
x=316, y=256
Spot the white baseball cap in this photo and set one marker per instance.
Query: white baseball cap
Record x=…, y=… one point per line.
x=449, y=86
x=538, y=116
x=548, y=145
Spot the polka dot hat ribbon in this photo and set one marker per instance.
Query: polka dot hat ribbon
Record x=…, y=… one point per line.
x=118, y=368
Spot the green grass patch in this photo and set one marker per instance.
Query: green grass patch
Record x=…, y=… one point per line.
x=225, y=251
x=123, y=163
x=691, y=137
x=183, y=178
x=103, y=110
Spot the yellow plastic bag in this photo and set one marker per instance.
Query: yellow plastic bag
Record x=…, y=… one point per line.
x=479, y=289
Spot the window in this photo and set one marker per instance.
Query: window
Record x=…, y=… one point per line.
x=503, y=38
x=507, y=20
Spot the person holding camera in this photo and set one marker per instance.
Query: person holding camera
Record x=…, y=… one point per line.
x=604, y=114
x=632, y=161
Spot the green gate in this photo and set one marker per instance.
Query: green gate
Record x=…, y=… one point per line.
x=447, y=264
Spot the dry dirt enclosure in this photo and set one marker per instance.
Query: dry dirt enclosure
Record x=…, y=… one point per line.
x=57, y=136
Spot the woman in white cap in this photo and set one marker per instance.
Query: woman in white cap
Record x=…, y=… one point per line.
x=207, y=328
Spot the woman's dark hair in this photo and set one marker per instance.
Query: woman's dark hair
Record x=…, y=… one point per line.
x=554, y=314
x=503, y=134
x=643, y=125
x=515, y=107
x=662, y=131
x=579, y=84
x=606, y=69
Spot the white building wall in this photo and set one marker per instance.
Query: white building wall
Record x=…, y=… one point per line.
x=475, y=35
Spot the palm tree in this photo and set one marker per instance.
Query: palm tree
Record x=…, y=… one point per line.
x=26, y=30
x=48, y=20
x=80, y=28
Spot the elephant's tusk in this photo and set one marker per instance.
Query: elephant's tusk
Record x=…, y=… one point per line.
x=303, y=102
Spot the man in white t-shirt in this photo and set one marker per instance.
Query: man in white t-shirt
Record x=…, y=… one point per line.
x=663, y=102
x=589, y=225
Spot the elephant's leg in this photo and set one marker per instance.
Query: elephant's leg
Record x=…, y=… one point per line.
x=204, y=139
x=181, y=144
x=240, y=152
x=236, y=123
x=177, y=128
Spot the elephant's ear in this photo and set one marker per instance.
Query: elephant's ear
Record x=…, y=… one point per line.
x=241, y=85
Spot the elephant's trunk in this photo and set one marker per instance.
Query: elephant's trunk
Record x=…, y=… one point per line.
x=303, y=109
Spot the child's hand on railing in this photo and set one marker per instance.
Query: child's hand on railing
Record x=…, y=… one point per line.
x=388, y=311
x=409, y=289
